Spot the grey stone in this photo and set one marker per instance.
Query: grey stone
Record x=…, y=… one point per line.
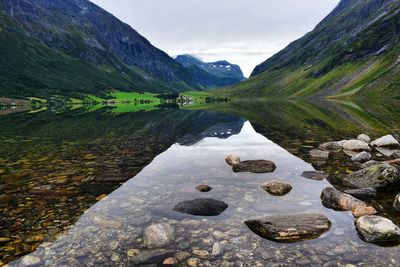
x=319, y=154
x=315, y=175
x=365, y=138
x=376, y=229
x=356, y=145
x=386, y=141
x=158, y=235
x=362, y=157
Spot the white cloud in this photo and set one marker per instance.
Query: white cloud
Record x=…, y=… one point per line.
x=244, y=32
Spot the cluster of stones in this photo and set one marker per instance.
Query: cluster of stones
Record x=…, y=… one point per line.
x=374, y=176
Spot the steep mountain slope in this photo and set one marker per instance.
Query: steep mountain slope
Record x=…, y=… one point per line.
x=222, y=69
x=51, y=42
x=354, y=50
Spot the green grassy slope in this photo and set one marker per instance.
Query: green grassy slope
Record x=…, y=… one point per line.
x=354, y=51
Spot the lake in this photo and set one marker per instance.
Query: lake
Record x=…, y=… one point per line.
x=79, y=186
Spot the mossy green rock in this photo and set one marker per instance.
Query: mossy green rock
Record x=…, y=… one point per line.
x=381, y=176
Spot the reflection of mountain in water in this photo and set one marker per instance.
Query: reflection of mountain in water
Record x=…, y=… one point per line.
x=221, y=130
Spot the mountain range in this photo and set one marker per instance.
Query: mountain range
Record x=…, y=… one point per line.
x=354, y=51
x=74, y=46
x=218, y=74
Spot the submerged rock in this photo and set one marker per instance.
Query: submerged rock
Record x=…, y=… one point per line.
x=158, y=235
x=334, y=199
x=386, y=141
x=232, y=159
x=204, y=188
x=290, y=228
x=362, y=157
x=201, y=207
x=380, y=176
x=376, y=229
x=30, y=261
x=255, y=166
x=365, y=138
x=356, y=145
x=331, y=146
x=396, y=204
x=315, y=175
x=319, y=154
x=277, y=188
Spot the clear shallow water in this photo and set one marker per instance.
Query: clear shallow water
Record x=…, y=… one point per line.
x=107, y=231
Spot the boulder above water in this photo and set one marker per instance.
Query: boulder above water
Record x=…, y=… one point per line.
x=363, y=193
x=158, y=235
x=319, y=154
x=290, y=228
x=332, y=146
x=356, y=145
x=386, y=141
x=396, y=204
x=232, y=159
x=201, y=207
x=362, y=157
x=365, y=138
x=315, y=175
x=334, y=199
x=381, y=177
x=376, y=229
x=255, y=166
x=277, y=188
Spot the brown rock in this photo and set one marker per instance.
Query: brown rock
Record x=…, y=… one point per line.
x=315, y=175
x=255, y=166
x=170, y=261
x=232, y=159
x=204, y=188
x=290, y=228
x=334, y=199
x=277, y=188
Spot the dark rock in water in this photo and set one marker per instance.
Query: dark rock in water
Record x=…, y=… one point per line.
x=376, y=229
x=255, y=166
x=363, y=193
x=362, y=157
x=290, y=228
x=381, y=176
x=396, y=204
x=315, y=175
x=204, y=188
x=201, y=207
x=277, y=188
x=334, y=199
x=319, y=154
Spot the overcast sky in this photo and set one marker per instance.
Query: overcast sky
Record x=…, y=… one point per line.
x=245, y=32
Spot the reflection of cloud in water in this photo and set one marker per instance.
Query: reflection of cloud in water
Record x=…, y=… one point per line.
x=171, y=178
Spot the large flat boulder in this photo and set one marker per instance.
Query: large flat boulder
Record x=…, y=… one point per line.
x=201, y=207
x=381, y=177
x=290, y=228
x=386, y=141
x=255, y=166
x=356, y=145
x=376, y=229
